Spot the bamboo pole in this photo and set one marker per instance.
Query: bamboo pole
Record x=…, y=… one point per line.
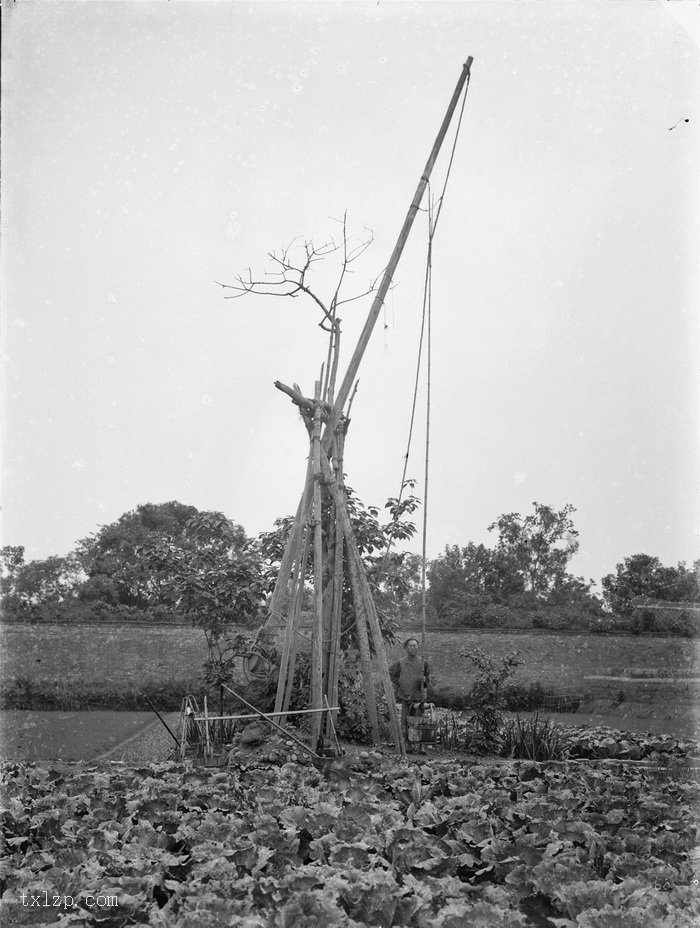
x=169, y=730
x=207, y=747
x=289, y=644
x=337, y=602
x=294, y=541
x=330, y=562
x=363, y=643
x=183, y=728
x=377, y=637
x=293, y=619
x=380, y=296
x=359, y=577
x=311, y=486
x=336, y=618
x=290, y=557
x=355, y=569
x=317, y=630
x=269, y=715
x=334, y=733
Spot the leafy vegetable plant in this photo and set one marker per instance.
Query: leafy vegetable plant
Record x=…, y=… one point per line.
x=393, y=844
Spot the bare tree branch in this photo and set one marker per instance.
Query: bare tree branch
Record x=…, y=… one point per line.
x=288, y=276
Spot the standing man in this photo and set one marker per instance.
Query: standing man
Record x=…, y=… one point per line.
x=409, y=677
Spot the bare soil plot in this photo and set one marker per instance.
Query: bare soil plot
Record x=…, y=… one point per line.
x=30, y=736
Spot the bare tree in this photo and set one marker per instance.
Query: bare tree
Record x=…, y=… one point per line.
x=289, y=276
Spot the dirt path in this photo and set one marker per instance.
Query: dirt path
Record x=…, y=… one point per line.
x=139, y=737
x=28, y=735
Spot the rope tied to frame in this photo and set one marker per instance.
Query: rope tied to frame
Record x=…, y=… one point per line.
x=425, y=331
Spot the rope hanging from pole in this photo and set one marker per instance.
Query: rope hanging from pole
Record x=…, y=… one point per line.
x=433, y=219
x=427, y=311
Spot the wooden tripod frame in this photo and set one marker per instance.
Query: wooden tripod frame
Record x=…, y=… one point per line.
x=326, y=423
x=325, y=478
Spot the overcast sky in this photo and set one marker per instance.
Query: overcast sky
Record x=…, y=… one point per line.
x=151, y=149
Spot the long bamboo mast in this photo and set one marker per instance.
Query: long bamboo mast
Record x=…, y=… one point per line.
x=380, y=296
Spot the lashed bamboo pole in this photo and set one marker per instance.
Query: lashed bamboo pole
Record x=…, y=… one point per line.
x=375, y=628
x=337, y=605
x=336, y=618
x=380, y=296
x=317, y=631
x=183, y=729
x=291, y=557
x=293, y=619
x=306, y=501
x=293, y=542
x=363, y=645
x=356, y=570
x=207, y=748
x=269, y=715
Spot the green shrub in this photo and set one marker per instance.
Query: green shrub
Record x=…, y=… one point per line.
x=75, y=696
x=448, y=697
x=487, y=699
x=518, y=697
x=515, y=697
x=682, y=624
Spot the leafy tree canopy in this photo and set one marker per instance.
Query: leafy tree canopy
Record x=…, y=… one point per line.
x=113, y=557
x=537, y=547
x=394, y=575
x=50, y=580
x=525, y=572
x=642, y=575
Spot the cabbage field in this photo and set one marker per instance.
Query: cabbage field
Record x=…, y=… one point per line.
x=368, y=840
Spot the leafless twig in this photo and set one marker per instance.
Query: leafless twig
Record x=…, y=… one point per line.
x=288, y=276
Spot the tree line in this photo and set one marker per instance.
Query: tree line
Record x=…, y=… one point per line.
x=170, y=562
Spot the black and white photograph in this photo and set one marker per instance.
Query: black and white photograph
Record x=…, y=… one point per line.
x=350, y=410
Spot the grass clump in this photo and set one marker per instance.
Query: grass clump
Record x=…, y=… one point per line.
x=533, y=738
